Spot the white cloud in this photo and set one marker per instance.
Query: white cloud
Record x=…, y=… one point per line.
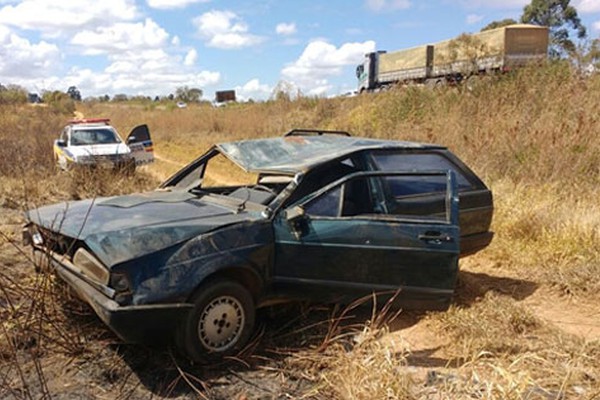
x=54, y=18
x=138, y=56
x=323, y=56
x=190, y=58
x=121, y=37
x=21, y=60
x=321, y=60
x=170, y=4
x=253, y=89
x=152, y=72
x=597, y=25
x=474, y=18
x=588, y=6
x=225, y=30
x=285, y=29
x=379, y=5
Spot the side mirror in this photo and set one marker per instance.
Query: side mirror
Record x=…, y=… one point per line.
x=130, y=139
x=294, y=214
x=60, y=143
x=295, y=218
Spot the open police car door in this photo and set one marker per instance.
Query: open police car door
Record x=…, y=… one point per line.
x=140, y=143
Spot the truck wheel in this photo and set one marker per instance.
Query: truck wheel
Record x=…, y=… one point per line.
x=440, y=83
x=220, y=323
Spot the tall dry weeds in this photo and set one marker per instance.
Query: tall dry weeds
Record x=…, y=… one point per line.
x=532, y=135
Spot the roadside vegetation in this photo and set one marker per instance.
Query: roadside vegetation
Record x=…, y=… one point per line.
x=532, y=135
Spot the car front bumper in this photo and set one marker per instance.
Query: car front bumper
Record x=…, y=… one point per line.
x=145, y=324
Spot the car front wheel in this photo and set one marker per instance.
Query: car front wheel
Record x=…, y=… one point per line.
x=220, y=323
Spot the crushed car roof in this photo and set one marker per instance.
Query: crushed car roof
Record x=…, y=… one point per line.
x=294, y=154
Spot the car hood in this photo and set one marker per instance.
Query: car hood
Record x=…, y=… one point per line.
x=122, y=228
x=99, y=149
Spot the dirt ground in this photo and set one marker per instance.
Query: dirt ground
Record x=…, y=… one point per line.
x=98, y=366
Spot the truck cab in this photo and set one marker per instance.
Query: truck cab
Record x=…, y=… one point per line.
x=366, y=73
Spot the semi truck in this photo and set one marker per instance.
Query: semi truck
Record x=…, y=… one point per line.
x=495, y=50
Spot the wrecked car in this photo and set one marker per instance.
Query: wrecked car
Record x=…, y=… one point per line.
x=316, y=215
x=94, y=142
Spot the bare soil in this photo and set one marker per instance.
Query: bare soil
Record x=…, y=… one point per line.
x=102, y=367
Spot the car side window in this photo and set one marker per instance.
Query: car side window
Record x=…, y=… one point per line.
x=142, y=135
x=325, y=205
x=412, y=196
x=321, y=177
x=368, y=196
x=416, y=185
x=351, y=198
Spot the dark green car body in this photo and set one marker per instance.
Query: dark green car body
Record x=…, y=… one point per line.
x=330, y=218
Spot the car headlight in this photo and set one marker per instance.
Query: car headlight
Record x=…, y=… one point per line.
x=90, y=266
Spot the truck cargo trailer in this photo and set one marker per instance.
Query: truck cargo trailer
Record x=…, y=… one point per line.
x=495, y=50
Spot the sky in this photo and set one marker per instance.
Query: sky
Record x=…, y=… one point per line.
x=152, y=47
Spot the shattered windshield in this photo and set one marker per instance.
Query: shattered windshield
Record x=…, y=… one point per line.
x=220, y=171
x=94, y=136
x=288, y=154
x=219, y=175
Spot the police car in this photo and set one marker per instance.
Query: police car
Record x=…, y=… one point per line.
x=94, y=142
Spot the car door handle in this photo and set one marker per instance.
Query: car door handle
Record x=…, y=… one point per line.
x=435, y=237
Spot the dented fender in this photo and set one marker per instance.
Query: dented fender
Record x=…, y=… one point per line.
x=245, y=246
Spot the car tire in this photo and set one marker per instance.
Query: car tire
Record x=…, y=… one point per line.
x=220, y=323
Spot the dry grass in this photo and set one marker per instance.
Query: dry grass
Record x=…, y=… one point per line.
x=533, y=136
x=549, y=233
x=538, y=126
x=495, y=349
x=507, y=352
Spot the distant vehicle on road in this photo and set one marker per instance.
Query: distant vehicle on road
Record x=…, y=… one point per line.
x=225, y=96
x=451, y=61
x=94, y=142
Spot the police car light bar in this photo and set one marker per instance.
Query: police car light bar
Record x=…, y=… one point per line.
x=90, y=121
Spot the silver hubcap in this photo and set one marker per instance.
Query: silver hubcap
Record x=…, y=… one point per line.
x=221, y=323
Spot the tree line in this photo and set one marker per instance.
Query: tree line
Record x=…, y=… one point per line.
x=15, y=94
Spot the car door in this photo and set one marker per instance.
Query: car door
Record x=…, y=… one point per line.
x=334, y=246
x=140, y=144
x=476, y=203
